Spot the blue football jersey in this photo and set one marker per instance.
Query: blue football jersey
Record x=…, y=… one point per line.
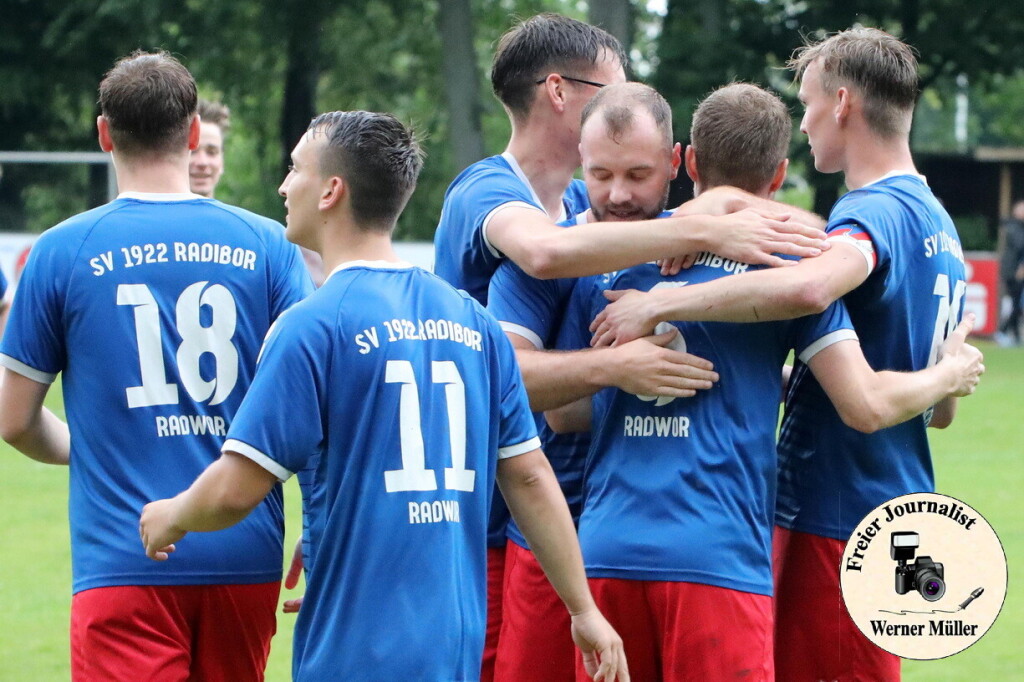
x=3, y=285
x=405, y=393
x=831, y=476
x=465, y=259
x=534, y=309
x=154, y=308
x=462, y=255
x=683, y=489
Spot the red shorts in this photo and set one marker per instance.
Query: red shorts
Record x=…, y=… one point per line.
x=815, y=638
x=212, y=633
x=495, y=592
x=682, y=632
x=536, y=640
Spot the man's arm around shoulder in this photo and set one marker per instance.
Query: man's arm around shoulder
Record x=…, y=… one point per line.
x=806, y=288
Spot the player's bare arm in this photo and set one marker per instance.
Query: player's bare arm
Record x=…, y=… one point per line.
x=644, y=366
x=545, y=251
x=869, y=401
x=808, y=287
x=529, y=487
x=576, y=417
x=222, y=496
x=723, y=200
x=29, y=426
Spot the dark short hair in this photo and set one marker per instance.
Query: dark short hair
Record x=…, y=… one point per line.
x=881, y=67
x=216, y=113
x=740, y=133
x=543, y=44
x=149, y=99
x=619, y=103
x=377, y=156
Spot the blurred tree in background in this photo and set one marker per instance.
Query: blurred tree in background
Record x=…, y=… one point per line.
x=276, y=64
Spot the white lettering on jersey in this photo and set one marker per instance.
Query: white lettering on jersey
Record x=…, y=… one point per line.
x=940, y=242
x=367, y=337
x=149, y=254
x=429, y=330
x=660, y=427
x=434, y=512
x=713, y=260
x=102, y=263
x=221, y=254
x=191, y=425
x=140, y=254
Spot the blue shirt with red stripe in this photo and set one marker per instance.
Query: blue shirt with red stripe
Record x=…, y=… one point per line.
x=831, y=476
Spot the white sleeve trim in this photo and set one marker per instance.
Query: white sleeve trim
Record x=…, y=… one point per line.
x=519, y=449
x=489, y=216
x=19, y=367
x=525, y=332
x=246, y=450
x=868, y=252
x=826, y=341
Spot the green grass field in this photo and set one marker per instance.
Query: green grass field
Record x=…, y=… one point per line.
x=978, y=460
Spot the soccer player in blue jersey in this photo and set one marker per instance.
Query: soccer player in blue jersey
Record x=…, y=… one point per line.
x=626, y=179
x=544, y=71
x=897, y=263
x=407, y=395
x=153, y=308
x=678, y=504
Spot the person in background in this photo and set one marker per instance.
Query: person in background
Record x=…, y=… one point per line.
x=206, y=163
x=1011, y=274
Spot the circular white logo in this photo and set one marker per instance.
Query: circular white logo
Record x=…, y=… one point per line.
x=923, y=576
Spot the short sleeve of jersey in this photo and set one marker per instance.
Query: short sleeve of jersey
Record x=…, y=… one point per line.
x=814, y=333
x=33, y=343
x=490, y=192
x=291, y=280
x=279, y=424
x=517, y=434
x=527, y=306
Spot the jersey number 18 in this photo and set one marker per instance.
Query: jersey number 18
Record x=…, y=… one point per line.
x=196, y=340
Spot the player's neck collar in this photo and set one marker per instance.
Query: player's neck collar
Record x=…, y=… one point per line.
x=375, y=264
x=160, y=196
x=517, y=169
x=895, y=174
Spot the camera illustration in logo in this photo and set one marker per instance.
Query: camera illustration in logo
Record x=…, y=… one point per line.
x=924, y=575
